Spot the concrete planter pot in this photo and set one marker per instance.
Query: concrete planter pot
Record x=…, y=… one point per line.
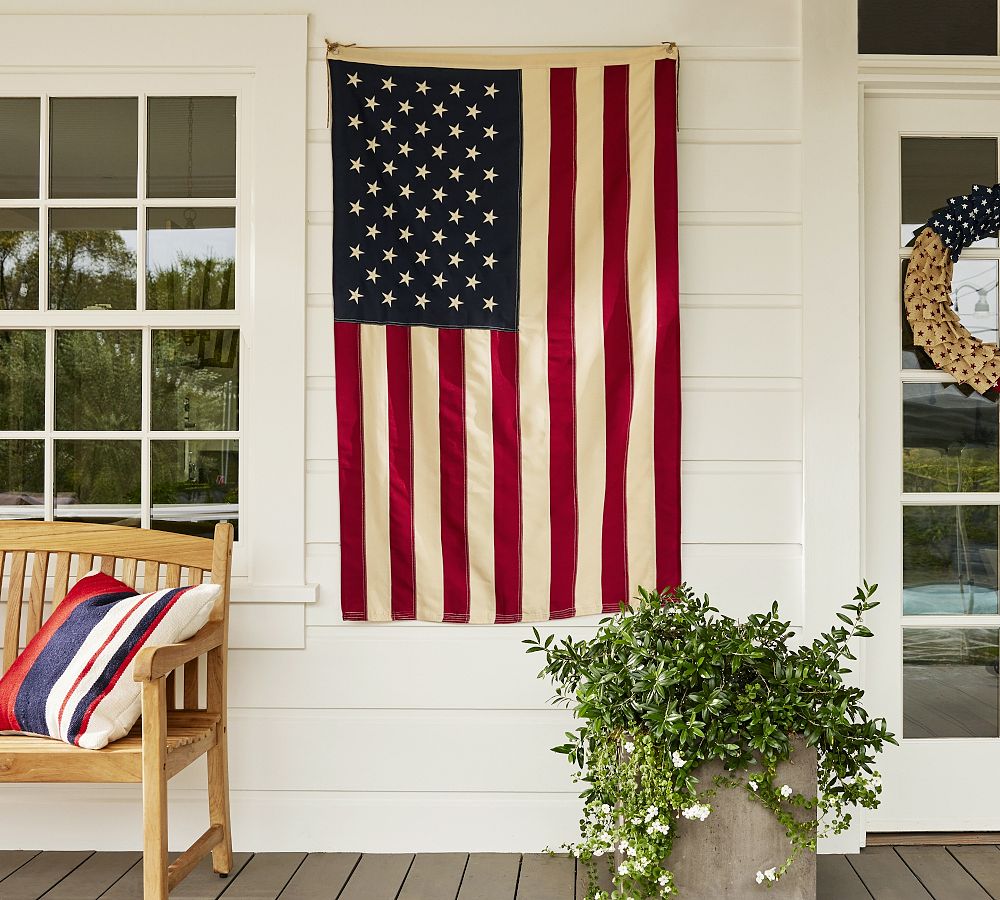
x=718, y=859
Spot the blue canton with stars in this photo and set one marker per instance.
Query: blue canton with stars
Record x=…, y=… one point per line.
x=427, y=188
x=967, y=219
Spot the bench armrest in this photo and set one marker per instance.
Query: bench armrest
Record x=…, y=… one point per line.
x=156, y=662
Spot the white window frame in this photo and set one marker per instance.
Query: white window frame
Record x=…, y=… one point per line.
x=262, y=61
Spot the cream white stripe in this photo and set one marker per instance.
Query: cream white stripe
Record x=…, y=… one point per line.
x=479, y=475
x=374, y=379
x=427, y=475
x=588, y=311
x=446, y=58
x=533, y=367
x=639, y=471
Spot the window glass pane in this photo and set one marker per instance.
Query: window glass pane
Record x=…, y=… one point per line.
x=101, y=473
x=18, y=259
x=22, y=380
x=195, y=485
x=935, y=169
x=92, y=260
x=22, y=473
x=98, y=380
x=950, y=682
x=196, y=380
x=927, y=27
x=950, y=437
x=192, y=147
x=93, y=146
x=949, y=560
x=191, y=258
x=19, y=142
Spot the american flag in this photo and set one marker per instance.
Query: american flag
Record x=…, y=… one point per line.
x=506, y=332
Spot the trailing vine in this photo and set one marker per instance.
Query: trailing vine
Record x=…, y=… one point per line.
x=671, y=683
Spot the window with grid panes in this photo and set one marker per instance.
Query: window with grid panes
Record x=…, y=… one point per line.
x=119, y=312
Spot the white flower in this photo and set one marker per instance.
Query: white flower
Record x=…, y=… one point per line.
x=652, y=811
x=623, y=846
x=636, y=820
x=629, y=746
x=598, y=852
x=677, y=759
x=606, y=809
x=786, y=791
x=752, y=785
x=631, y=851
x=698, y=811
x=662, y=881
x=760, y=877
x=769, y=874
x=623, y=869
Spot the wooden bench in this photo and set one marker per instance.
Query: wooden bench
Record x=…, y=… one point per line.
x=176, y=727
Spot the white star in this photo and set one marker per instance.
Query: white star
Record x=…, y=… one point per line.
x=472, y=196
x=373, y=231
x=489, y=175
x=454, y=260
x=439, y=194
x=471, y=239
x=390, y=211
x=405, y=278
x=373, y=188
x=371, y=103
x=389, y=255
x=405, y=149
x=353, y=80
x=423, y=171
x=356, y=252
x=489, y=218
x=405, y=191
x=357, y=208
x=456, y=173
x=439, y=109
x=472, y=281
x=354, y=121
x=455, y=215
x=489, y=261
x=405, y=234
x=389, y=167
x=439, y=280
x=473, y=111
x=456, y=130
x=422, y=213
x=356, y=295
x=489, y=304
x=387, y=126
x=491, y=90
x=455, y=302
x=373, y=144
x=422, y=129
x=471, y=153
x=490, y=132
x=422, y=300
x=422, y=257
x=438, y=237
x=457, y=89
x=388, y=83
x=387, y=298
x=373, y=276
x=356, y=164
x=439, y=151
x=423, y=87
x=405, y=106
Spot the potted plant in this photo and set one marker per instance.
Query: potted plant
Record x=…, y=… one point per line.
x=688, y=714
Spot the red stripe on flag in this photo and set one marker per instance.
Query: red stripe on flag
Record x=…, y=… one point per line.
x=454, y=509
x=667, y=374
x=402, y=561
x=507, y=531
x=618, y=375
x=562, y=357
x=351, y=457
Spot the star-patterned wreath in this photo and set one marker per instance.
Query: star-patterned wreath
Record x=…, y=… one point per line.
x=927, y=288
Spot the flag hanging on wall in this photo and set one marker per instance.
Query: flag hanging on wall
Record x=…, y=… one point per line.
x=506, y=332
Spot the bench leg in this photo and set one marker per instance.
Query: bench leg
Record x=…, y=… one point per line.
x=154, y=790
x=218, y=767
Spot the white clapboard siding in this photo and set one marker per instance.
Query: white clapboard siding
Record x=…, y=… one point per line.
x=740, y=259
x=741, y=343
x=737, y=177
x=731, y=94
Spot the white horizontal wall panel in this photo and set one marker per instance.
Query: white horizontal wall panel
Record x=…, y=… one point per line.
x=740, y=259
x=737, y=177
x=322, y=505
x=747, y=343
x=321, y=422
x=319, y=341
x=739, y=94
x=319, y=175
x=738, y=424
x=319, y=256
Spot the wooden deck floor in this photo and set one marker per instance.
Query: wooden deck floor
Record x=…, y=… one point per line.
x=879, y=873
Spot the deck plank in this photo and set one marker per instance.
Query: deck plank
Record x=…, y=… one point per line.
x=41, y=873
x=983, y=864
x=545, y=877
x=603, y=877
x=201, y=884
x=12, y=860
x=941, y=873
x=378, y=877
x=91, y=879
x=321, y=876
x=837, y=880
x=886, y=875
x=264, y=877
x=434, y=876
x=490, y=876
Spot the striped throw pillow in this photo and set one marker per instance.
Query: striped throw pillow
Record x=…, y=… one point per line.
x=73, y=681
